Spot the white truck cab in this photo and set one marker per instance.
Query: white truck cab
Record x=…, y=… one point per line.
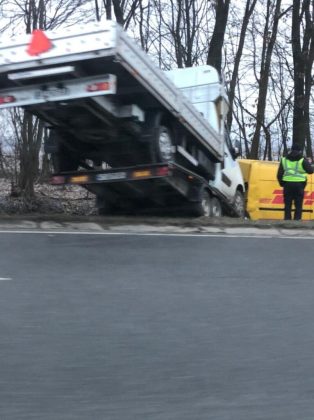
x=203, y=87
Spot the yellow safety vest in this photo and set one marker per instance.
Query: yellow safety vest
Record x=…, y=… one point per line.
x=293, y=170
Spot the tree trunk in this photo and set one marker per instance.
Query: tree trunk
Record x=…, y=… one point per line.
x=303, y=56
x=97, y=11
x=108, y=4
x=249, y=8
x=118, y=11
x=214, y=56
x=268, y=46
x=31, y=139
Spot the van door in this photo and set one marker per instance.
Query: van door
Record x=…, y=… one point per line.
x=229, y=174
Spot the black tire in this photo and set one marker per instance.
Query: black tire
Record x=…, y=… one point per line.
x=64, y=160
x=216, y=208
x=64, y=157
x=103, y=211
x=108, y=206
x=239, y=204
x=162, y=145
x=105, y=208
x=203, y=207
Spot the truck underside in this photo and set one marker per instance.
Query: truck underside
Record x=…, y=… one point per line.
x=94, y=129
x=92, y=134
x=148, y=187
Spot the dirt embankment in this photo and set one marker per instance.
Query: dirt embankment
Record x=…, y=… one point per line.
x=69, y=203
x=49, y=200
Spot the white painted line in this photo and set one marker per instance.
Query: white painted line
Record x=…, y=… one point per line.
x=108, y=233
x=187, y=235
x=5, y=278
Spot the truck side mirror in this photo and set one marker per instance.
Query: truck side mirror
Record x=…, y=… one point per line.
x=235, y=152
x=237, y=149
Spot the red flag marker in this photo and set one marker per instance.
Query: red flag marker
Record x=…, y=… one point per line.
x=39, y=43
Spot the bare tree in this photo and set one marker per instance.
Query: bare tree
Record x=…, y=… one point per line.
x=97, y=11
x=302, y=38
x=43, y=14
x=124, y=10
x=35, y=14
x=178, y=31
x=183, y=29
x=30, y=138
x=108, y=7
x=143, y=24
x=282, y=94
x=249, y=8
x=214, y=56
x=273, y=15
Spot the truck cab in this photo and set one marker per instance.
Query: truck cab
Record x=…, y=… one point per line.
x=203, y=87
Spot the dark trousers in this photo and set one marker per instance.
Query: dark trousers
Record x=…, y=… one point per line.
x=293, y=194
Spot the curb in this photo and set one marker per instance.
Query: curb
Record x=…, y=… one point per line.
x=158, y=225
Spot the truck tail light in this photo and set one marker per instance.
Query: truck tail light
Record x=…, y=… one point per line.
x=141, y=173
x=7, y=99
x=79, y=179
x=98, y=86
x=57, y=180
x=162, y=171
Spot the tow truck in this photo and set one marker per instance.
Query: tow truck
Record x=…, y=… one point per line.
x=120, y=127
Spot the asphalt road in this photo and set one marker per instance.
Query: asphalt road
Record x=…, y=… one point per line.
x=124, y=327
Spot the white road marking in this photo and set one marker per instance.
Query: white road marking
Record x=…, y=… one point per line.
x=228, y=235
x=5, y=278
x=107, y=233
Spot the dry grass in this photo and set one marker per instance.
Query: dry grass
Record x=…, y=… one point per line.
x=48, y=200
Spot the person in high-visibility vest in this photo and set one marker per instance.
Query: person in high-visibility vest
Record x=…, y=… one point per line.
x=292, y=176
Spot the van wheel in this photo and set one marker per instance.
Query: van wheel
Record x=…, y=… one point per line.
x=216, y=209
x=239, y=204
x=162, y=145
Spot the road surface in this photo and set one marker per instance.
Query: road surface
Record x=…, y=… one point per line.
x=155, y=327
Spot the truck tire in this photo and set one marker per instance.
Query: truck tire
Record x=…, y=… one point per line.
x=63, y=162
x=162, y=145
x=216, y=209
x=104, y=207
x=239, y=204
x=63, y=157
x=204, y=206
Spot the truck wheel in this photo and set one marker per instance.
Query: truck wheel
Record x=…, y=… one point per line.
x=239, y=204
x=63, y=161
x=203, y=207
x=104, y=206
x=106, y=209
x=216, y=209
x=163, y=145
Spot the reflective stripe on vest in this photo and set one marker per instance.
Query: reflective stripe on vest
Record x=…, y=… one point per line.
x=293, y=170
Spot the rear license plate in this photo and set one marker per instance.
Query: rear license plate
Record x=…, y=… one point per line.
x=110, y=177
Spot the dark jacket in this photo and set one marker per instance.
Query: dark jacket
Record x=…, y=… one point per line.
x=293, y=156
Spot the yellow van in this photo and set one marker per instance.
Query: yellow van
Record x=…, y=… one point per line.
x=264, y=196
